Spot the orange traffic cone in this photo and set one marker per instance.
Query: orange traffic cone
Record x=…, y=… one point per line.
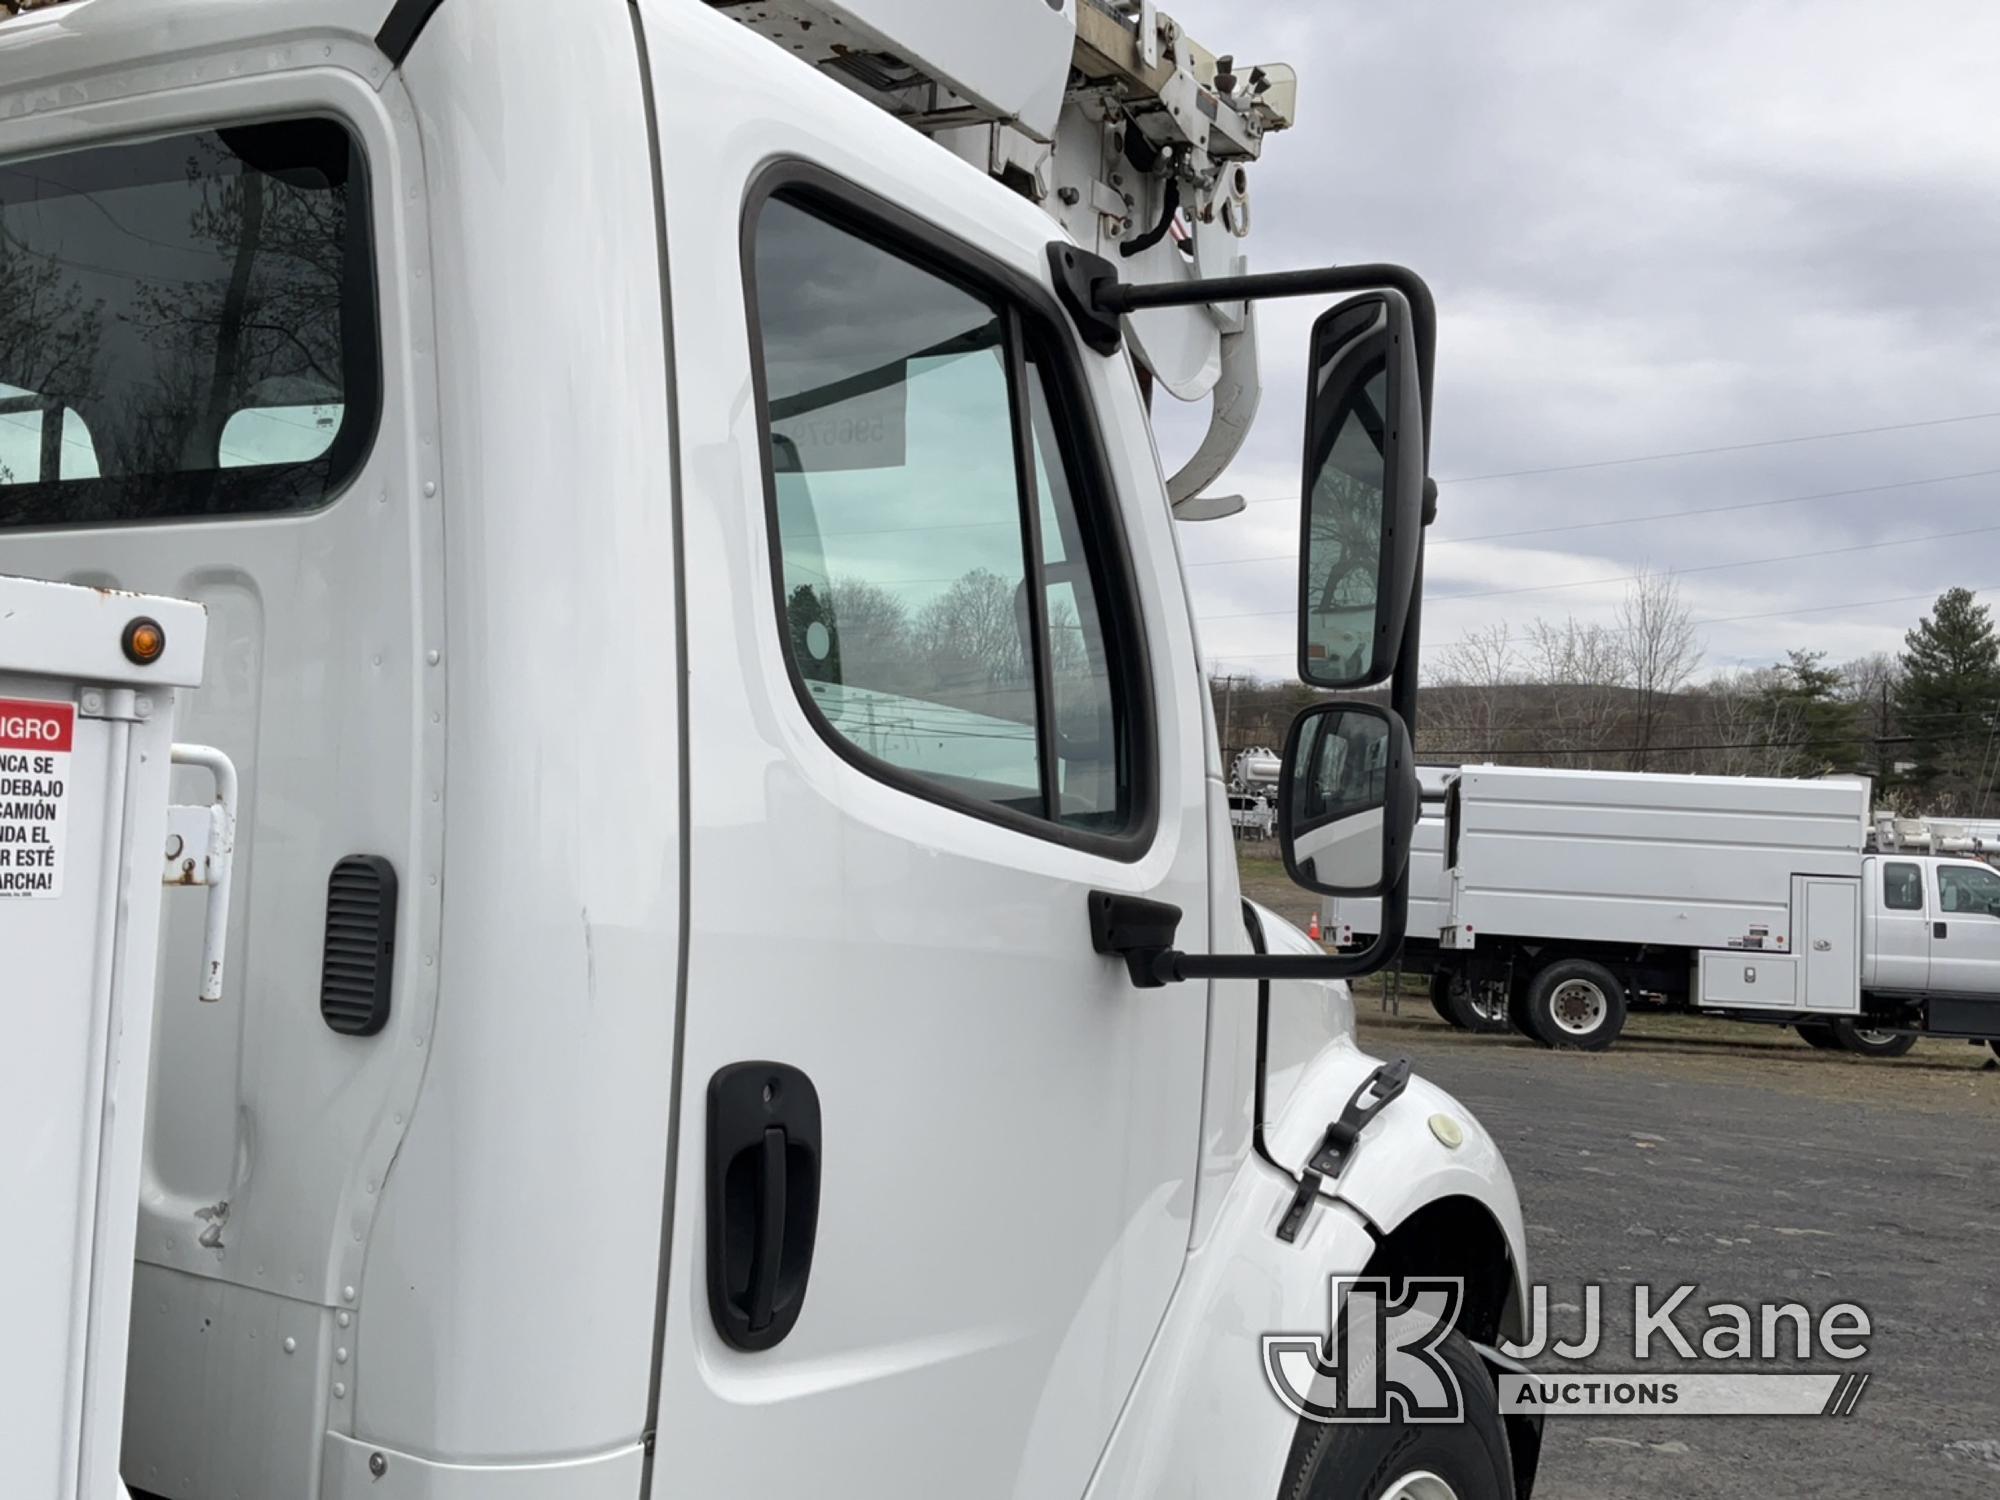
x=1312, y=928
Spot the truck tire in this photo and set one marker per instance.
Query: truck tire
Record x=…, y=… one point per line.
x=1403, y=1460
x=1995, y=1045
x=1818, y=1035
x=1441, y=987
x=1868, y=1042
x=1517, y=1009
x=1577, y=1005
x=1469, y=1006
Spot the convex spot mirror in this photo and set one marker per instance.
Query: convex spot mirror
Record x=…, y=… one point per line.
x=1363, y=492
x=1347, y=799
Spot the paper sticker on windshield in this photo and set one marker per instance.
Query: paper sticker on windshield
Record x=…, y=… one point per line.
x=35, y=743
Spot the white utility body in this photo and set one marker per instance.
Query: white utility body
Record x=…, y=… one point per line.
x=1746, y=896
x=1350, y=920
x=700, y=625
x=1694, y=862
x=89, y=680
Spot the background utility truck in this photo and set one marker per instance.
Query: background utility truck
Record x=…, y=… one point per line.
x=1566, y=896
x=557, y=410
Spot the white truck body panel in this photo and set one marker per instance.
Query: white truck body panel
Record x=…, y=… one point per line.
x=465, y=1256
x=1006, y=60
x=1667, y=861
x=1823, y=975
x=1357, y=917
x=85, y=750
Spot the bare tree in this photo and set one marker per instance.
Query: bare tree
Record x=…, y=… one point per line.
x=1661, y=650
x=1581, y=670
x=1747, y=727
x=1475, y=697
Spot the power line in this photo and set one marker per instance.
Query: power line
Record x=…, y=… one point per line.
x=1578, y=583
x=1664, y=515
x=1648, y=458
x=1709, y=510
x=1769, y=614
x=1748, y=562
x=1660, y=749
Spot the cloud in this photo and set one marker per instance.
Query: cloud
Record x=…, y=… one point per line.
x=1649, y=229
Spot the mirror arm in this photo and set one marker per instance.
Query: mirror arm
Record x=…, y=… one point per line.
x=1142, y=932
x=1090, y=290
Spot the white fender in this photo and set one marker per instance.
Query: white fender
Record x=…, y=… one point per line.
x=1202, y=1420
x=1401, y=1162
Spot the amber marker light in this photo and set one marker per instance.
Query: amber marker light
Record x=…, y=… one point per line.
x=143, y=641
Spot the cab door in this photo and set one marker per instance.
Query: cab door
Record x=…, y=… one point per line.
x=1901, y=954
x=941, y=686
x=1965, y=928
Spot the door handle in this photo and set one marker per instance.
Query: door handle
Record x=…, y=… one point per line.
x=763, y=1199
x=1937, y=929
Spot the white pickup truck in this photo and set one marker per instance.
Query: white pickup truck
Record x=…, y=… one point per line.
x=1557, y=900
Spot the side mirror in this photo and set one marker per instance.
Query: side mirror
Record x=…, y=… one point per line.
x=1348, y=799
x=1363, y=492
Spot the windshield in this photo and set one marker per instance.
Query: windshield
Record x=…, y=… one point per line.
x=186, y=326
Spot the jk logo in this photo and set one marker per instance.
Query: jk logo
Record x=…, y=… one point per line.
x=1379, y=1358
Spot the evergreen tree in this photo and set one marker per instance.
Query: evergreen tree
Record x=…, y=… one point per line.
x=1946, y=702
x=1804, y=698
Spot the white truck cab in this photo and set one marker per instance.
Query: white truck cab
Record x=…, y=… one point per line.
x=1931, y=927
x=739, y=979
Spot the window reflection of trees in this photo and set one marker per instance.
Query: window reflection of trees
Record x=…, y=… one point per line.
x=964, y=648
x=159, y=298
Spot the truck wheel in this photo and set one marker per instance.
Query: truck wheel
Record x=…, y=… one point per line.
x=1404, y=1460
x=1818, y=1035
x=1576, y=1005
x=1468, y=1005
x=1441, y=988
x=1995, y=1045
x=1517, y=1009
x=1869, y=1042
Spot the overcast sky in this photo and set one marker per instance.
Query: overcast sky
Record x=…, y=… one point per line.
x=1650, y=228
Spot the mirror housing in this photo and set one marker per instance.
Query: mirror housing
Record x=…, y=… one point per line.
x=1348, y=799
x=1362, y=491
x=1403, y=328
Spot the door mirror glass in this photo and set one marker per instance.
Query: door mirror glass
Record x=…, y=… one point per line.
x=1363, y=492
x=1348, y=799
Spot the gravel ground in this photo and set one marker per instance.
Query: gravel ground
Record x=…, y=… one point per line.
x=1735, y=1158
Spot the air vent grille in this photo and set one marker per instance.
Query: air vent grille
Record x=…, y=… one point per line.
x=358, y=963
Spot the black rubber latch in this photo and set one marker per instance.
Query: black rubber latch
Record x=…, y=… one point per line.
x=1134, y=929
x=1336, y=1147
x=1301, y=1204
x=1375, y=1094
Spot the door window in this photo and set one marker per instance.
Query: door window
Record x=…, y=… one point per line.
x=187, y=326
x=941, y=581
x=1969, y=890
x=1902, y=887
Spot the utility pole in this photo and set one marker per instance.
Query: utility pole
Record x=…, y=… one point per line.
x=1882, y=751
x=1228, y=710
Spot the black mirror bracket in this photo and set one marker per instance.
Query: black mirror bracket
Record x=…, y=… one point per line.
x=1089, y=289
x=1142, y=933
x=1081, y=278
